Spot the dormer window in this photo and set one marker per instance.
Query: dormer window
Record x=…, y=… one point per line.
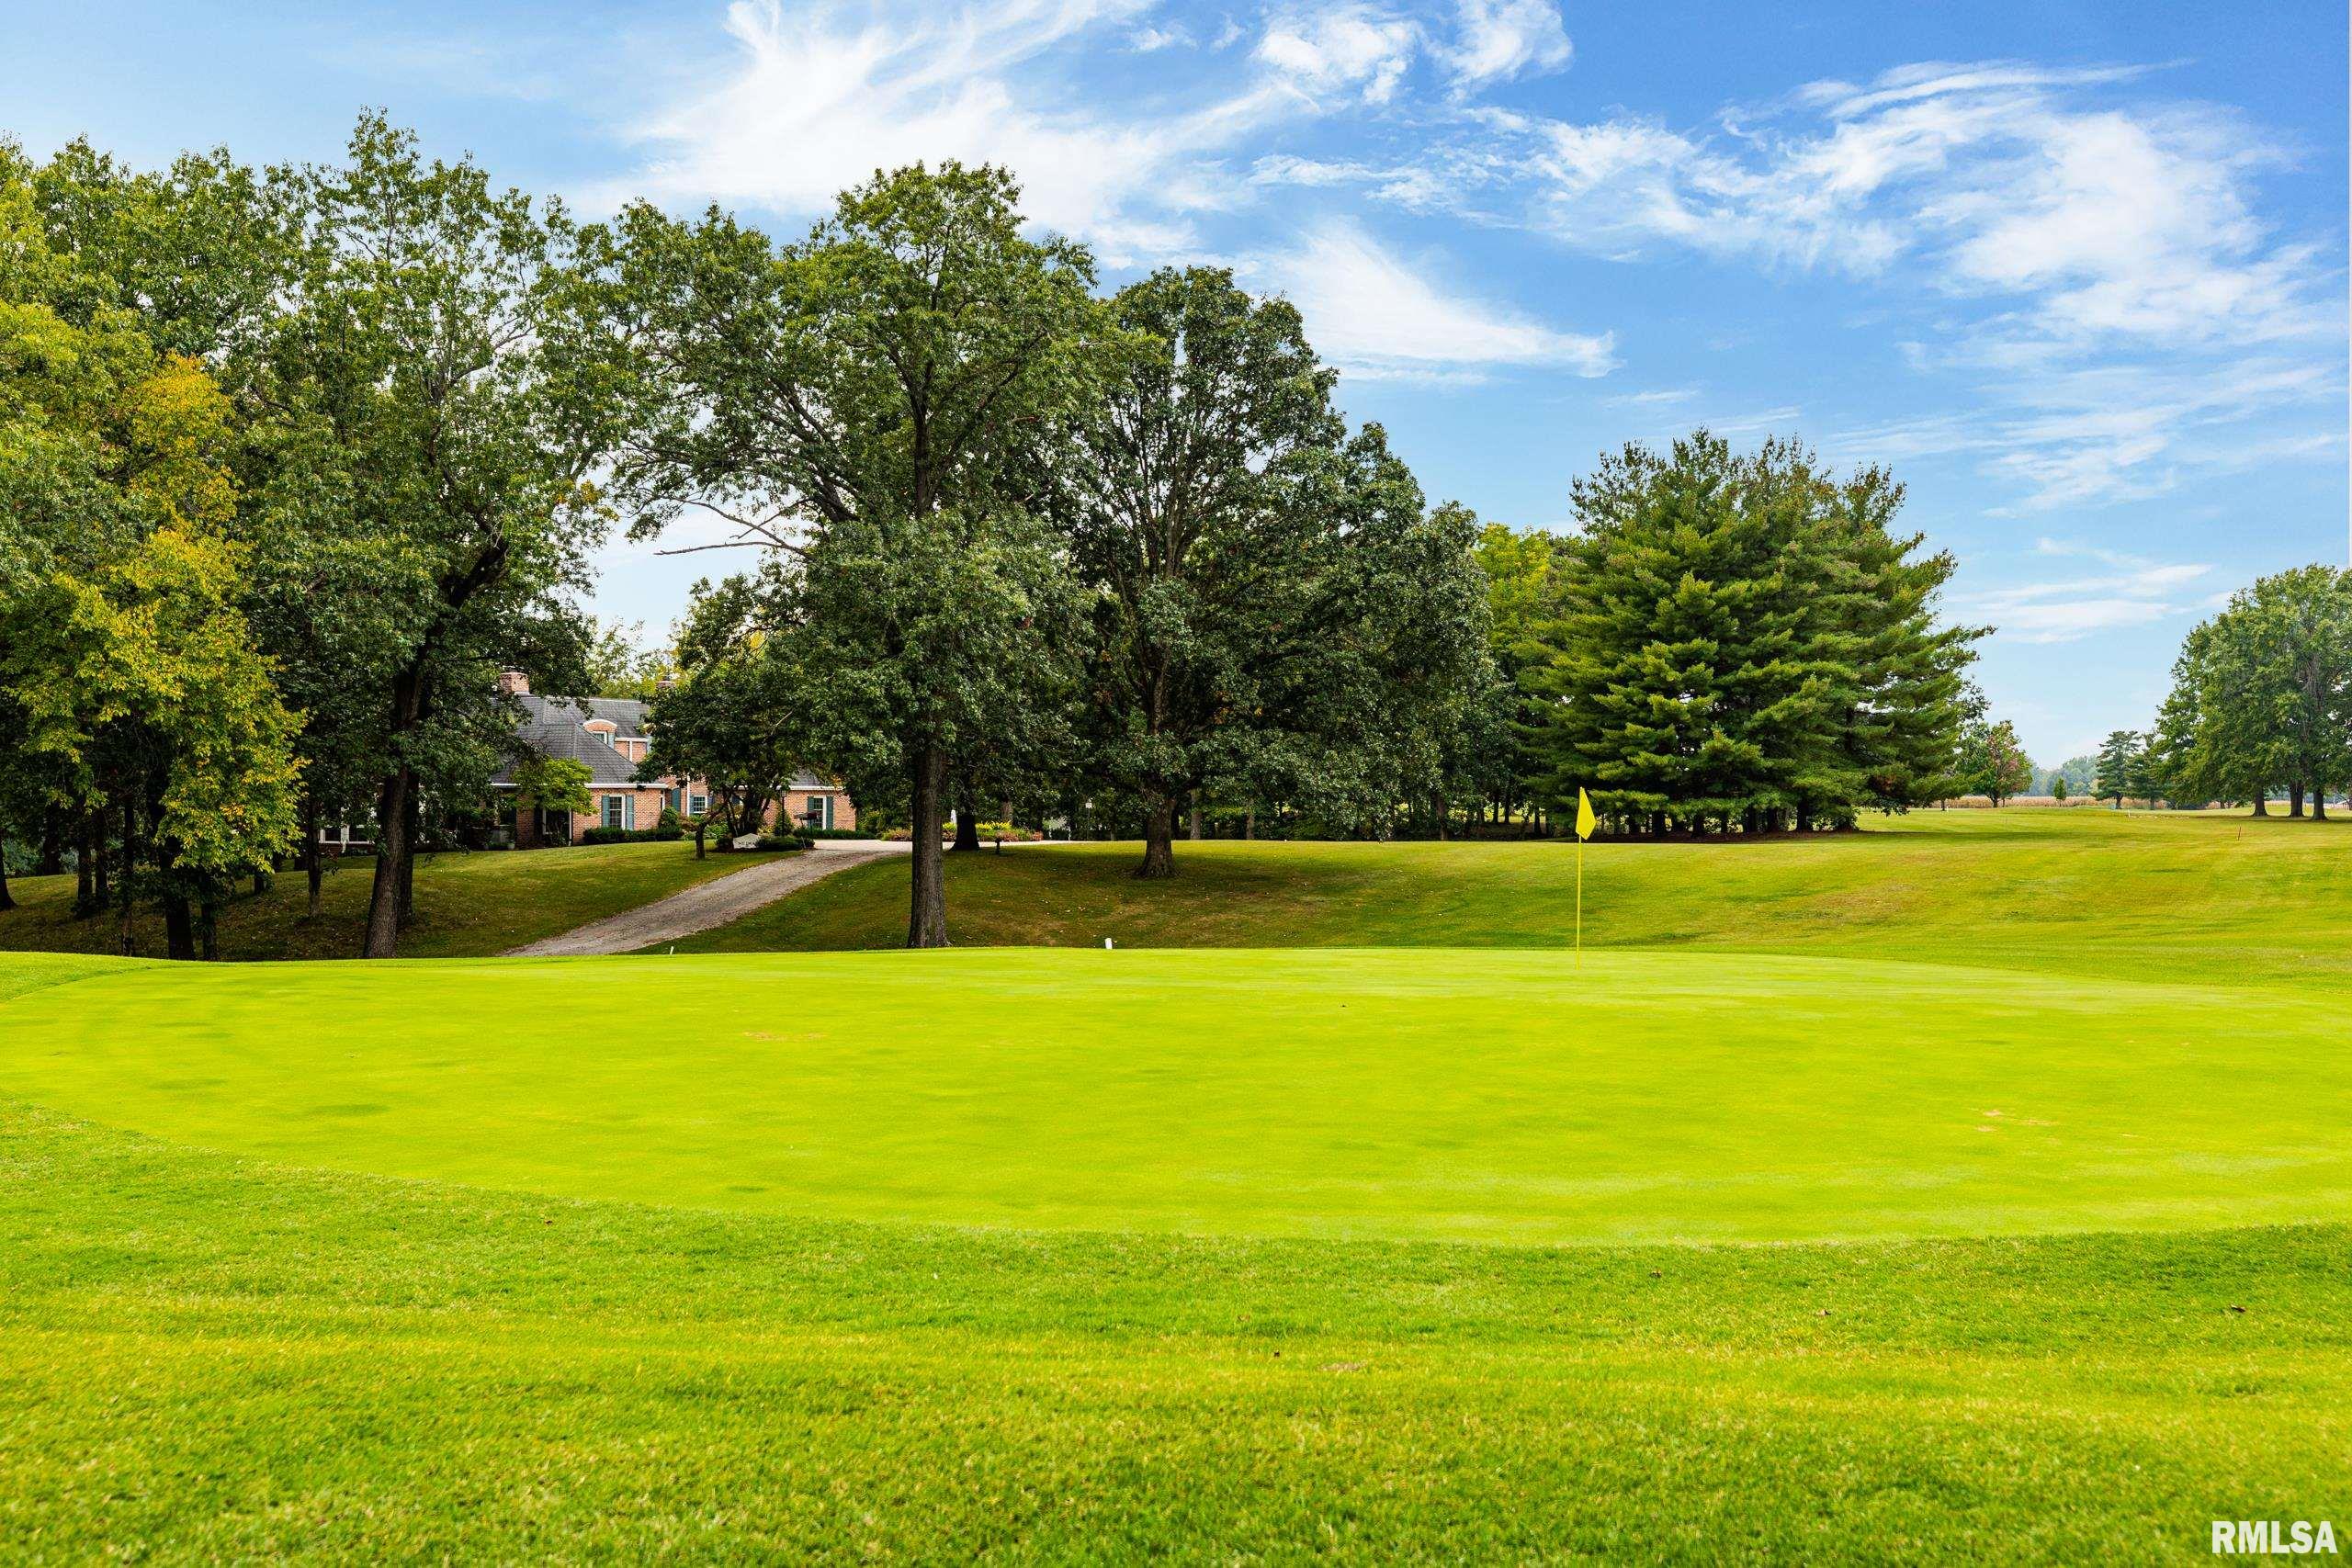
x=602, y=729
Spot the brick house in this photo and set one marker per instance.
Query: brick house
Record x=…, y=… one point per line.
x=607, y=735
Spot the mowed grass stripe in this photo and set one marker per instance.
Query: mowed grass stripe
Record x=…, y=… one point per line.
x=1468, y=1095
x=206, y=1359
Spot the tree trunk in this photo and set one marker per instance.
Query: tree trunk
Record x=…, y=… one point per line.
x=52, y=844
x=2319, y=802
x=702, y=826
x=179, y=931
x=408, y=860
x=2262, y=801
x=89, y=889
x=1159, y=835
x=261, y=881
x=207, y=931
x=967, y=822
x=927, y=905
x=393, y=850
x=1249, y=821
x=123, y=880
x=1440, y=814
x=8, y=900
x=1194, y=814
x=2294, y=800
x=313, y=870
x=395, y=809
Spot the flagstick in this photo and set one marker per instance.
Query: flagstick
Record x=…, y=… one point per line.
x=1579, y=903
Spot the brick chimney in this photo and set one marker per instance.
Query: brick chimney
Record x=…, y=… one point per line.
x=514, y=684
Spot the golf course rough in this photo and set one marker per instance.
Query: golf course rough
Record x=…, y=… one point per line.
x=1477, y=1096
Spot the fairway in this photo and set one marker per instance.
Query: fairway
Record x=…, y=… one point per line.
x=1485, y=1095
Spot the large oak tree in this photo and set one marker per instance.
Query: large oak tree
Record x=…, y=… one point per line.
x=865, y=403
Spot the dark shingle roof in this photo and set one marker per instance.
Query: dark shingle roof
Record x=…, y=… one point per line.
x=552, y=727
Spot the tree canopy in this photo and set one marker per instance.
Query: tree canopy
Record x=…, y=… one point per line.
x=1742, y=640
x=2262, y=695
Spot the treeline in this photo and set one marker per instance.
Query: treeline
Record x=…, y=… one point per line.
x=1021, y=543
x=1731, y=642
x=297, y=458
x=293, y=460
x=2261, y=705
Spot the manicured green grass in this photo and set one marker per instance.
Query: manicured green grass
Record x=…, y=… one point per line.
x=1971, y=1190
x=467, y=905
x=2158, y=896
x=202, y=1359
x=1475, y=1095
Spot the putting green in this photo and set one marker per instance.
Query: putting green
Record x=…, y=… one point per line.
x=1485, y=1095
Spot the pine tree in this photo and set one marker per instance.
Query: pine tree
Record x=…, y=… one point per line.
x=2118, y=755
x=1740, y=640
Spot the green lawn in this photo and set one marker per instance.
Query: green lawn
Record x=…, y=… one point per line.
x=204, y=1358
x=467, y=905
x=1998, y=1215
x=2086, y=892
x=1488, y=1096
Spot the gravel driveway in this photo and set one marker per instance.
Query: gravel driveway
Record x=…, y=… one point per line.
x=712, y=903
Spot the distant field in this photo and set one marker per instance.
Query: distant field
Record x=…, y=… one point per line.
x=467, y=905
x=2088, y=892
x=1972, y=1190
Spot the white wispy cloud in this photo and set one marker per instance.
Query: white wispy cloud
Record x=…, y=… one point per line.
x=2121, y=431
x=2133, y=590
x=2104, y=224
x=1662, y=397
x=1499, y=40
x=819, y=95
x=2094, y=291
x=1356, y=50
x=1373, y=314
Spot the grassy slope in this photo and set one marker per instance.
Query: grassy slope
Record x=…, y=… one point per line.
x=466, y=904
x=1485, y=1096
x=2152, y=895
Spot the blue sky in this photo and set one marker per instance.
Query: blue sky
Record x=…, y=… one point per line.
x=2077, y=272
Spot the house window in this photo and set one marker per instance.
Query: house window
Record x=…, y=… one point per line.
x=673, y=799
x=615, y=806
x=701, y=806
x=819, y=814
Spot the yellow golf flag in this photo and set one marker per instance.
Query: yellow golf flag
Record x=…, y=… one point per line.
x=1585, y=823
